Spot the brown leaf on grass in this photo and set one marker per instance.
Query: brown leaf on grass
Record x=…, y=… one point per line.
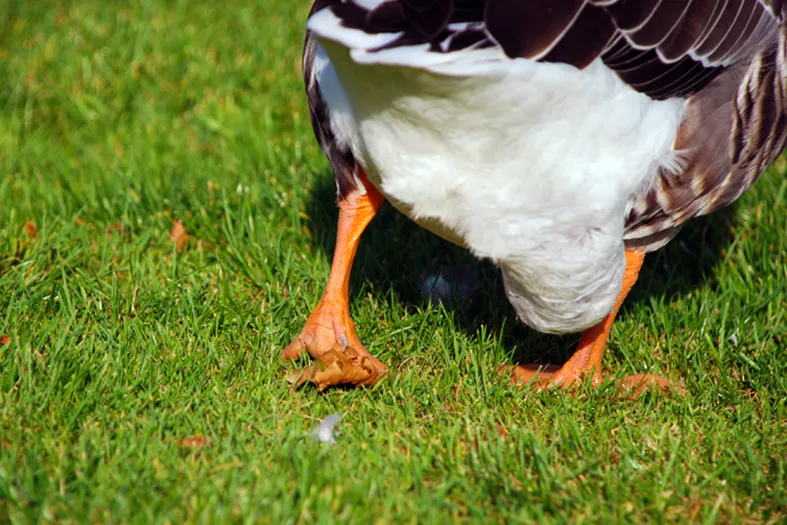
x=5, y=339
x=31, y=230
x=178, y=235
x=193, y=442
x=117, y=227
x=635, y=384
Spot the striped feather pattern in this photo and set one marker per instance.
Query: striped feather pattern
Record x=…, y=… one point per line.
x=734, y=129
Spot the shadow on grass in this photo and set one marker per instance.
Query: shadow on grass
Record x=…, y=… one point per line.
x=395, y=254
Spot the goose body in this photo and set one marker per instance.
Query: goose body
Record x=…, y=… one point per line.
x=531, y=165
x=549, y=136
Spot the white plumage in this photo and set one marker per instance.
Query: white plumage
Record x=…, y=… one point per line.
x=532, y=165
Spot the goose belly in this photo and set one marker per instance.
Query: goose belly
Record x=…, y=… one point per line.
x=528, y=164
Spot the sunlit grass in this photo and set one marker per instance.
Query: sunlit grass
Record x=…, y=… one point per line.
x=143, y=384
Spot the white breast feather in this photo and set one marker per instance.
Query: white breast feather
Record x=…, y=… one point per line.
x=531, y=165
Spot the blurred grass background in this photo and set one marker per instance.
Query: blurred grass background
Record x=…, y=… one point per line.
x=141, y=384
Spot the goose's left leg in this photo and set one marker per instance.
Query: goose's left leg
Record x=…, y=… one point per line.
x=587, y=358
x=329, y=333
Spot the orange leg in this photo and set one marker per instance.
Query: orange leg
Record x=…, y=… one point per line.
x=587, y=357
x=329, y=333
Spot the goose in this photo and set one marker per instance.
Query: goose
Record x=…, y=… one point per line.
x=560, y=139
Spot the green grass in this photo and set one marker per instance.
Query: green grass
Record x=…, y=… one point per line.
x=116, y=118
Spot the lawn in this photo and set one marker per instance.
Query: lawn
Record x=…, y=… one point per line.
x=140, y=378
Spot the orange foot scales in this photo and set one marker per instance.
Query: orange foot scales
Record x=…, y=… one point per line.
x=329, y=334
x=586, y=360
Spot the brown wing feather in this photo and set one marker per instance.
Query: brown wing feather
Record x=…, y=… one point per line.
x=688, y=30
x=575, y=48
x=523, y=30
x=654, y=31
x=631, y=14
x=734, y=129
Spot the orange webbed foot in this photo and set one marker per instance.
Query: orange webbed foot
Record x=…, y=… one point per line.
x=329, y=337
x=586, y=361
x=541, y=377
